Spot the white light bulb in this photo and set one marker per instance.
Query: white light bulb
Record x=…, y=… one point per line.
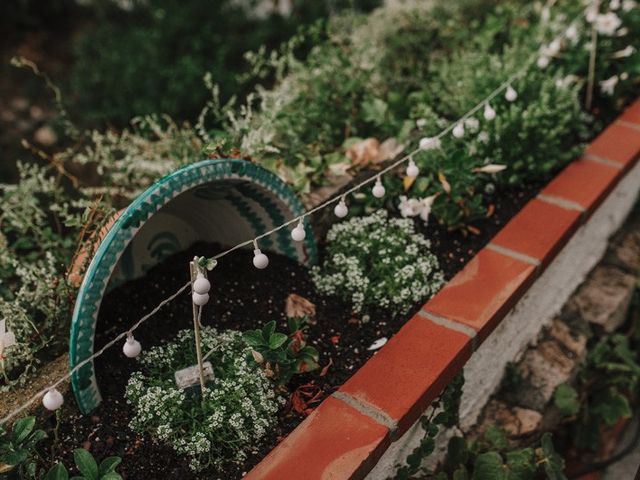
x=200, y=299
x=260, y=260
x=412, y=169
x=131, y=347
x=543, y=62
x=489, y=112
x=511, y=94
x=201, y=285
x=458, y=130
x=52, y=400
x=298, y=232
x=341, y=209
x=378, y=189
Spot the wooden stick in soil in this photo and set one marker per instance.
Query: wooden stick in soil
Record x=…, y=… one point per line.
x=592, y=58
x=193, y=267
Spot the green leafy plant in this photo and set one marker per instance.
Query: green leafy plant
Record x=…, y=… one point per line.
x=491, y=458
x=443, y=414
x=88, y=468
x=377, y=261
x=281, y=355
x=220, y=424
x=607, y=382
x=18, y=457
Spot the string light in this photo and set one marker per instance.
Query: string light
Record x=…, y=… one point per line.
x=298, y=234
x=341, y=209
x=378, y=189
x=458, y=130
x=201, y=286
x=412, y=169
x=131, y=347
x=52, y=400
x=489, y=112
x=260, y=260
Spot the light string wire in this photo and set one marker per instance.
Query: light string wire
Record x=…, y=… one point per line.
x=68, y=375
x=254, y=241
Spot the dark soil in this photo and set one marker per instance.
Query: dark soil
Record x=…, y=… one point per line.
x=242, y=298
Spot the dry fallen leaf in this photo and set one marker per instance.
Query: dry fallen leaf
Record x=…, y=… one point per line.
x=491, y=210
x=370, y=151
x=362, y=153
x=444, y=183
x=491, y=168
x=297, y=306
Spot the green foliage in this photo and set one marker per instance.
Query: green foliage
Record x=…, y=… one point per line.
x=88, y=468
x=377, y=261
x=18, y=456
x=490, y=457
x=152, y=57
x=606, y=382
x=444, y=414
x=221, y=424
x=43, y=219
x=282, y=355
x=566, y=399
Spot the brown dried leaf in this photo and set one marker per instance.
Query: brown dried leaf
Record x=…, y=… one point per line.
x=297, y=306
x=491, y=209
x=325, y=369
x=364, y=152
x=443, y=181
x=474, y=230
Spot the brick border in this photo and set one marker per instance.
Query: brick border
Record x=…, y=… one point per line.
x=348, y=433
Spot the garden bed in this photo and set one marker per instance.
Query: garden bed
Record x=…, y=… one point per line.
x=243, y=298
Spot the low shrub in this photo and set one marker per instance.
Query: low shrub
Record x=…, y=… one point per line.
x=280, y=355
x=18, y=456
x=377, y=261
x=233, y=414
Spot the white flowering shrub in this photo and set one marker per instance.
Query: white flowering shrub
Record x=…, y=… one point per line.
x=238, y=407
x=376, y=261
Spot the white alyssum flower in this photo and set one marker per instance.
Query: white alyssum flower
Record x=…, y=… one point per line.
x=609, y=85
x=628, y=5
x=377, y=261
x=625, y=52
x=237, y=410
x=607, y=23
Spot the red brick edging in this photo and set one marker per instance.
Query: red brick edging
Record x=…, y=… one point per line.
x=347, y=434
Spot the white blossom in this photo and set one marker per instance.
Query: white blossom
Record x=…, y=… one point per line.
x=607, y=23
x=609, y=85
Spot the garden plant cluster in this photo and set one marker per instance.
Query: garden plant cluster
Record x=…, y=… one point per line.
x=306, y=111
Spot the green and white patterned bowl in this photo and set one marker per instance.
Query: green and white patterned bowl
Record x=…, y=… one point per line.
x=223, y=201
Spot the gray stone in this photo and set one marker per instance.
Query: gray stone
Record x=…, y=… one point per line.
x=542, y=370
x=604, y=298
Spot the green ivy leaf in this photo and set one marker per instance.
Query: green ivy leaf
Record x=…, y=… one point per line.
x=109, y=465
x=22, y=428
x=277, y=340
x=553, y=464
x=268, y=330
x=496, y=437
x=86, y=463
x=611, y=407
x=489, y=466
x=57, y=472
x=253, y=338
x=566, y=398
